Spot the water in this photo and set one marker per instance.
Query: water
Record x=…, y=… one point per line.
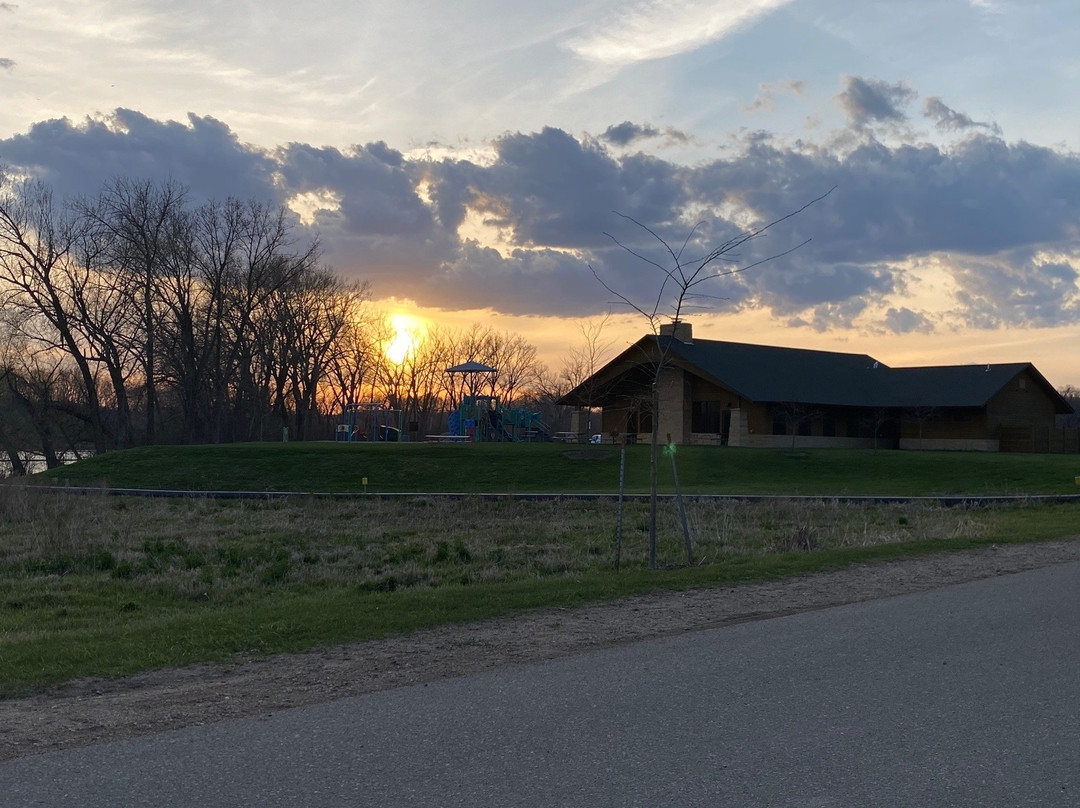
x=35, y=463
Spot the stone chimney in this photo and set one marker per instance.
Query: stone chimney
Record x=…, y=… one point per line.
x=680, y=330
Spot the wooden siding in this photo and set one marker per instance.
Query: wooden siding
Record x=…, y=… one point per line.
x=1022, y=416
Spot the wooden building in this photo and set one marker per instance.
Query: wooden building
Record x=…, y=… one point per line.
x=714, y=392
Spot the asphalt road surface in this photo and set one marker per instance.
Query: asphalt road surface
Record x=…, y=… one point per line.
x=964, y=696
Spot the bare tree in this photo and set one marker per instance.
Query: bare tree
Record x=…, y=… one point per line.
x=135, y=216
x=876, y=419
x=795, y=414
x=426, y=364
x=354, y=363
x=202, y=321
x=40, y=273
x=36, y=399
x=516, y=367
x=581, y=365
x=32, y=390
x=921, y=416
x=1071, y=393
x=682, y=278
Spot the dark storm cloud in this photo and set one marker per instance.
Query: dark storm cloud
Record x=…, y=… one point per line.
x=949, y=120
x=868, y=101
x=996, y=209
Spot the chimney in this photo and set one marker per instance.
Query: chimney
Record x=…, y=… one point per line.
x=682, y=331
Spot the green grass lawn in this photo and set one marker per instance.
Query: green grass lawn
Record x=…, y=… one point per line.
x=554, y=468
x=105, y=586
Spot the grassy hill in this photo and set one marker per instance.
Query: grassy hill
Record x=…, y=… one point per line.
x=554, y=468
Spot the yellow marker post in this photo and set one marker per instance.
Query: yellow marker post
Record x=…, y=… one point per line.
x=363, y=480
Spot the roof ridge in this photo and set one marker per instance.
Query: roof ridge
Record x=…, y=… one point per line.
x=786, y=348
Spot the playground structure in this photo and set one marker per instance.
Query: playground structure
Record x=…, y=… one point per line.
x=480, y=419
x=372, y=422
x=476, y=418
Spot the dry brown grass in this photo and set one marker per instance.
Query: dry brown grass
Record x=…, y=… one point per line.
x=220, y=549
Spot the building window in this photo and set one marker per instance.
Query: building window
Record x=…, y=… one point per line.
x=779, y=423
x=705, y=416
x=828, y=425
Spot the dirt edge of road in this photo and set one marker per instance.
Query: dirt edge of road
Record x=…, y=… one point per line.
x=92, y=711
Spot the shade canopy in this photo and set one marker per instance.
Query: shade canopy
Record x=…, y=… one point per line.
x=471, y=367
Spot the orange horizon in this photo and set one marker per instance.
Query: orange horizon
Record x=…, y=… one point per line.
x=1051, y=350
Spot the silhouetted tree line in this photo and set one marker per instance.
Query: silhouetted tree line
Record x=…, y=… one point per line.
x=1070, y=393
x=136, y=317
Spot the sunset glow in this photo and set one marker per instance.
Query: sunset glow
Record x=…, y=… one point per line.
x=408, y=332
x=480, y=169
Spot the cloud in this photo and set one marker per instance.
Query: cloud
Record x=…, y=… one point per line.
x=649, y=30
x=375, y=187
x=835, y=294
x=979, y=197
x=905, y=321
x=6, y=64
x=518, y=231
x=203, y=154
x=837, y=315
x=549, y=189
x=1018, y=288
x=869, y=101
x=766, y=98
x=7, y=7
x=626, y=132
x=949, y=120
x=481, y=276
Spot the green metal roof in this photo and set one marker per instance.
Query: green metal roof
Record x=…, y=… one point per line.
x=947, y=386
x=765, y=373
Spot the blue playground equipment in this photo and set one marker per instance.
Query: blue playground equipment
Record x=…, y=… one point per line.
x=480, y=419
x=372, y=422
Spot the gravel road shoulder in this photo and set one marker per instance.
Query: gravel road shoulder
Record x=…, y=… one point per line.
x=94, y=711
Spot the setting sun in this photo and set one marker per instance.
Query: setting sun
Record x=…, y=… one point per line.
x=408, y=331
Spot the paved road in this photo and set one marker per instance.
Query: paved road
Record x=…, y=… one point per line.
x=966, y=696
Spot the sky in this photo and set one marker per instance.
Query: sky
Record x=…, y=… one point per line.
x=519, y=164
